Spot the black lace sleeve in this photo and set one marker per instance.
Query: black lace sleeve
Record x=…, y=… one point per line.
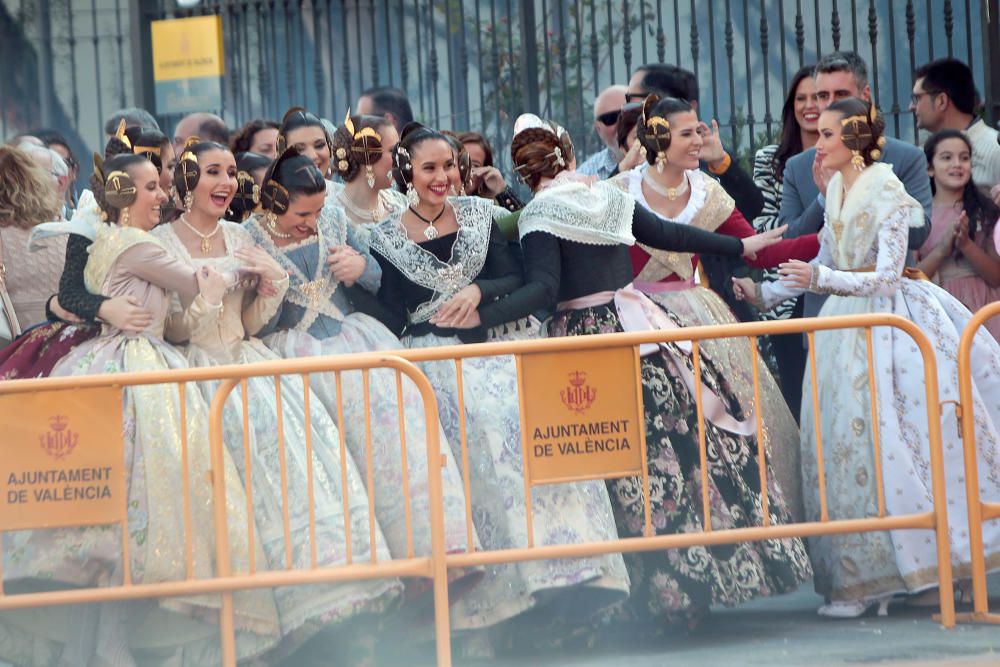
x=539, y=292
x=651, y=230
x=73, y=295
x=501, y=273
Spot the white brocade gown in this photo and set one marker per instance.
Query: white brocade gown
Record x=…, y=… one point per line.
x=863, y=249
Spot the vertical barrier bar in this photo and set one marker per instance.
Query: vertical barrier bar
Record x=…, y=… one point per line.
x=186, y=484
x=284, y=471
x=310, y=487
x=824, y=514
x=873, y=392
x=637, y=372
x=702, y=451
x=759, y=416
x=405, y=464
x=524, y=453
x=248, y=474
x=227, y=630
x=463, y=438
x=345, y=497
x=369, y=473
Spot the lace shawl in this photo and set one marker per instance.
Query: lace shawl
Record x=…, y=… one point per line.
x=314, y=293
x=598, y=214
x=475, y=218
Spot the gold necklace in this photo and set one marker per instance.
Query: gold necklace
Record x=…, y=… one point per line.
x=669, y=193
x=206, y=239
x=360, y=212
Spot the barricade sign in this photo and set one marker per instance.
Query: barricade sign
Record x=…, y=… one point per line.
x=582, y=415
x=62, y=459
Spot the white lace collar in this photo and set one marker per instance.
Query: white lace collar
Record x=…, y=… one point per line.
x=598, y=214
x=468, y=253
x=696, y=181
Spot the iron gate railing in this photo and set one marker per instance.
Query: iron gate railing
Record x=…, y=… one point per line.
x=476, y=65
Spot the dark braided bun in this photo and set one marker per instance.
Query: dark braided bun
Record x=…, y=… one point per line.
x=652, y=133
x=350, y=154
x=541, y=152
x=862, y=129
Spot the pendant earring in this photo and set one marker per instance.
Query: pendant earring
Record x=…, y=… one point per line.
x=370, y=174
x=188, y=200
x=462, y=191
x=123, y=219
x=452, y=191
x=271, y=220
x=411, y=195
x=857, y=161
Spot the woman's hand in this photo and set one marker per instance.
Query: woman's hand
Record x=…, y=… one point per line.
x=346, y=264
x=56, y=308
x=123, y=313
x=960, y=233
x=754, y=244
x=212, y=285
x=712, y=151
x=747, y=290
x=255, y=260
x=796, y=273
x=633, y=158
x=486, y=182
x=455, y=313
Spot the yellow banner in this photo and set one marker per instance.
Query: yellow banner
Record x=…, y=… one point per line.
x=582, y=415
x=62, y=460
x=187, y=48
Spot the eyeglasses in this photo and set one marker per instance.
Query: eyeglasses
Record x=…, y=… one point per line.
x=915, y=97
x=609, y=118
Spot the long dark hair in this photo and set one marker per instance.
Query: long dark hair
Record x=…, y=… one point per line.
x=790, y=143
x=979, y=208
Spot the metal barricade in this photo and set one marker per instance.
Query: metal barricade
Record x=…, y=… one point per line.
x=979, y=511
x=225, y=581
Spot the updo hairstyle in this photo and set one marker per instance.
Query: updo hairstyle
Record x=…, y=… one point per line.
x=541, y=152
x=292, y=174
x=138, y=141
x=862, y=128
x=357, y=144
x=295, y=118
x=112, y=185
x=187, y=173
x=412, y=136
x=653, y=129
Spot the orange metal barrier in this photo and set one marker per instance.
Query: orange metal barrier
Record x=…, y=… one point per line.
x=434, y=566
x=225, y=582
x=979, y=511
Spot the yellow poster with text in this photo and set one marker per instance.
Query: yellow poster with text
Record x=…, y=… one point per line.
x=582, y=415
x=62, y=460
x=187, y=48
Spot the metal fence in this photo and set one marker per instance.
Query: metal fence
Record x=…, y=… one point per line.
x=476, y=65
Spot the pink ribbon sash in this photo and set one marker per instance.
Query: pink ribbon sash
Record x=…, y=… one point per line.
x=638, y=313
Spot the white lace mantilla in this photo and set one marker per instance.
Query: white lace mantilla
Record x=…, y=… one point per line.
x=599, y=214
x=475, y=218
x=313, y=293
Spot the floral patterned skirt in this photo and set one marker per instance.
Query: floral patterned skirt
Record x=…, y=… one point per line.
x=36, y=352
x=681, y=584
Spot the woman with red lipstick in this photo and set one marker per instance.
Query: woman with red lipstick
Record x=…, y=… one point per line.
x=444, y=265
x=223, y=333
x=672, y=187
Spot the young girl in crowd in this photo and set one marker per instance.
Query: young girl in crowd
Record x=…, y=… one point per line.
x=861, y=266
x=960, y=254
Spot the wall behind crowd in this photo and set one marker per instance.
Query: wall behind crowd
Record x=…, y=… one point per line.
x=469, y=65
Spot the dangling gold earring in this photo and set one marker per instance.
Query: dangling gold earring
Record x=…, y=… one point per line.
x=462, y=191
x=123, y=219
x=452, y=191
x=411, y=195
x=188, y=200
x=857, y=161
x=370, y=174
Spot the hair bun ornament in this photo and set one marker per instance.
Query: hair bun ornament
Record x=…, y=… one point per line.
x=274, y=197
x=120, y=134
x=655, y=130
x=366, y=145
x=247, y=196
x=120, y=190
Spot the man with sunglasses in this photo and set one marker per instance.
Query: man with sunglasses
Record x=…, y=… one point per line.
x=607, y=108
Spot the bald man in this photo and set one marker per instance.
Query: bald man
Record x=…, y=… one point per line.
x=206, y=126
x=607, y=108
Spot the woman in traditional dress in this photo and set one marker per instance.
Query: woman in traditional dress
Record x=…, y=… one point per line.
x=860, y=265
x=206, y=182
x=306, y=132
x=444, y=260
x=363, y=160
x=125, y=259
x=320, y=251
x=75, y=314
x=577, y=237
x=671, y=186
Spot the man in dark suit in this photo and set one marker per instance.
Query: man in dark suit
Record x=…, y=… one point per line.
x=840, y=75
